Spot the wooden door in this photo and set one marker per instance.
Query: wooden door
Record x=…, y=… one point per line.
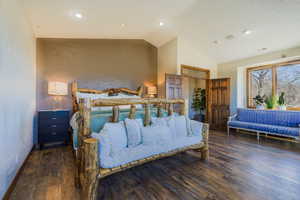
x=218, y=103
x=174, y=88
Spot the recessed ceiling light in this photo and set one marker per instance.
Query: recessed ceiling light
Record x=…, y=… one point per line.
x=263, y=49
x=122, y=25
x=161, y=23
x=78, y=15
x=247, y=32
x=229, y=37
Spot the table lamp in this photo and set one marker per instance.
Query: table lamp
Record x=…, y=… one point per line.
x=57, y=89
x=152, y=91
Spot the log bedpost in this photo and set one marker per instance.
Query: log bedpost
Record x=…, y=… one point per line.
x=87, y=117
x=132, y=112
x=74, y=96
x=170, y=109
x=205, y=149
x=116, y=113
x=147, y=118
x=91, y=177
x=159, y=110
x=182, y=108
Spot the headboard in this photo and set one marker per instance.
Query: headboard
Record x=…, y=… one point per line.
x=75, y=89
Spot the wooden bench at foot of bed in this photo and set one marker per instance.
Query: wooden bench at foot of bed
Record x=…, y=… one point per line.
x=88, y=170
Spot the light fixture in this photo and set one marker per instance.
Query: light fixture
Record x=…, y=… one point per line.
x=247, y=32
x=152, y=91
x=78, y=15
x=229, y=37
x=263, y=49
x=161, y=24
x=122, y=25
x=57, y=89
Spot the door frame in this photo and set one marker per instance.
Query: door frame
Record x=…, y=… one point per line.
x=207, y=71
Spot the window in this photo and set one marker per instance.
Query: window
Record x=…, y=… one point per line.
x=274, y=79
x=288, y=81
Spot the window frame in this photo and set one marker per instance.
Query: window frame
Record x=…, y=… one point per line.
x=273, y=67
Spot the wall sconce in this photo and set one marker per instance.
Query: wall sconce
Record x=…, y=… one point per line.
x=152, y=91
x=57, y=89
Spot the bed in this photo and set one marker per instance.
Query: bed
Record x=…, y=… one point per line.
x=101, y=115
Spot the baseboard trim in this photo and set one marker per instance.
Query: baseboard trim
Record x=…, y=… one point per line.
x=14, y=182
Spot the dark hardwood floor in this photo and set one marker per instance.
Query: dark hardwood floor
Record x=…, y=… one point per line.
x=239, y=168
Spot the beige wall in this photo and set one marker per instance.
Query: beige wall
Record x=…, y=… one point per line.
x=94, y=63
x=17, y=87
x=167, y=63
x=230, y=69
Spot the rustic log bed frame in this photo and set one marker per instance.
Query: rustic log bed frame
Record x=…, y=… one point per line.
x=88, y=171
x=75, y=89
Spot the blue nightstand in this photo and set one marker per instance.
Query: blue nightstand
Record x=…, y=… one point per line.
x=53, y=126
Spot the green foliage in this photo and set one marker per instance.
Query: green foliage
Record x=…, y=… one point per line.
x=271, y=102
x=259, y=100
x=199, y=100
x=281, y=100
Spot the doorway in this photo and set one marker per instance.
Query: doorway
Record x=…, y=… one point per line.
x=195, y=85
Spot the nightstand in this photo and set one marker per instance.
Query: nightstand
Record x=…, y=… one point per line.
x=53, y=126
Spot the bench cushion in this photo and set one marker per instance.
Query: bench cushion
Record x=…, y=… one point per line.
x=271, y=117
x=283, y=130
x=141, y=151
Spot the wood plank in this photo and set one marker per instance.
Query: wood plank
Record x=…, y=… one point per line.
x=239, y=168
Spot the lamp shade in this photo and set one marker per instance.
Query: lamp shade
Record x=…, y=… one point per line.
x=152, y=90
x=57, y=88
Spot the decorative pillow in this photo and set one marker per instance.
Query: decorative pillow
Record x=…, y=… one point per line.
x=156, y=135
x=188, y=126
x=134, y=135
x=104, y=146
x=159, y=121
x=180, y=126
x=117, y=135
x=171, y=124
x=196, y=127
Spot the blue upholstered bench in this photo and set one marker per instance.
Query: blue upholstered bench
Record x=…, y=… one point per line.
x=273, y=122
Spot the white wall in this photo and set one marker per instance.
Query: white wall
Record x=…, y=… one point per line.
x=236, y=70
x=181, y=51
x=189, y=53
x=17, y=90
x=167, y=63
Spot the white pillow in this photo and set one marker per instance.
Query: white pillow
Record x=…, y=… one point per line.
x=159, y=121
x=109, y=108
x=82, y=95
x=117, y=135
x=196, y=127
x=153, y=135
x=171, y=124
x=134, y=135
x=181, y=126
x=104, y=146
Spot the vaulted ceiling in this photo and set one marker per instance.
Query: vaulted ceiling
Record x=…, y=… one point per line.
x=214, y=26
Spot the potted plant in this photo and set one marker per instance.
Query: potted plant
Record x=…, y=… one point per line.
x=199, y=103
x=281, y=102
x=271, y=102
x=259, y=102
